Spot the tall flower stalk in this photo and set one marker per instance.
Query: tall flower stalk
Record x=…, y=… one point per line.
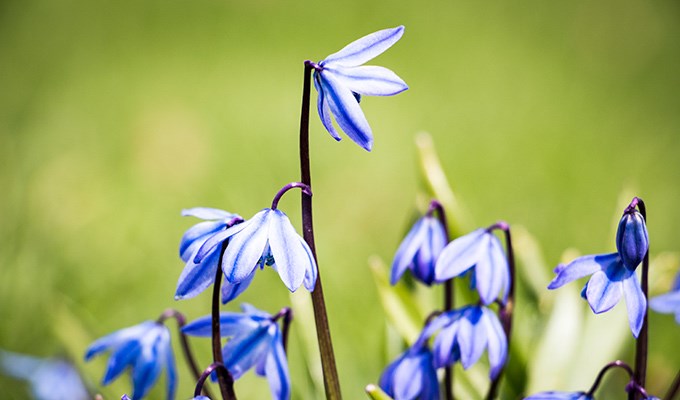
x=224, y=378
x=640, y=373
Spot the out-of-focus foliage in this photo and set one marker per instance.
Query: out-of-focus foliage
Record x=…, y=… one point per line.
x=114, y=116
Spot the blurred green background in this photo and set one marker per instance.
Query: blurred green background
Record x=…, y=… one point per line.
x=115, y=115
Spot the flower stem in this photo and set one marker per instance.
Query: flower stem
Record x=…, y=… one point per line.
x=305, y=189
x=186, y=349
x=639, y=377
x=613, y=364
x=506, y=310
x=287, y=314
x=448, y=295
x=673, y=390
x=202, y=378
x=330, y=373
x=224, y=378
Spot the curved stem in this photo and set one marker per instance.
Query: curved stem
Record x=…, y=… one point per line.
x=330, y=373
x=673, y=390
x=305, y=189
x=506, y=310
x=206, y=373
x=603, y=371
x=184, y=342
x=641, y=343
x=224, y=378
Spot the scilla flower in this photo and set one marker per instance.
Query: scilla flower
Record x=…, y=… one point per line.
x=50, y=379
x=613, y=274
x=197, y=276
x=256, y=341
x=481, y=253
x=268, y=238
x=463, y=334
x=420, y=249
x=668, y=303
x=340, y=79
x=411, y=376
x=145, y=349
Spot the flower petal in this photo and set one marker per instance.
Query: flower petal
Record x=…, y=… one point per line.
x=276, y=369
x=346, y=110
x=291, y=258
x=147, y=368
x=444, y=347
x=635, y=303
x=580, y=267
x=208, y=213
x=116, y=338
x=408, y=249
x=194, y=237
x=246, y=247
x=602, y=293
x=666, y=303
x=231, y=324
x=369, y=80
x=498, y=344
x=323, y=108
x=230, y=291
x=195, y=278
x=312, y=272
x=459, y=256
x=472, y=338
x=245, y=351
x=365, y=48
x=491, y=270
x=171, y=370
x=408, y=378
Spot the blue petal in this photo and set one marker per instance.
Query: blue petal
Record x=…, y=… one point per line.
x=19, y=366
x=430, y=386
x=255, y=313
x=603, y=293
x=498, y=344
x=408, y=249
x=582, y=266
x=147, y=366
x=312, y=271
x=230, y=324
x=386, y=381
x=408, y=378
x=121, y=358
x=216, y=240
x=245, y=351
x=194, y=237
x=208, y=213
x=666, y=303
x=195, y=278
x=276, y=370
x=472, y=337
x=246, y=247
x=230, y=291
x=445, y=345
x=635, y=303
x=366, y=48
x=369, y=80
x=346, y=110
x=116, y=338
x=323, y=109
x=459, y=256
x=291, y=257
x=171, y=370
x=491, y=269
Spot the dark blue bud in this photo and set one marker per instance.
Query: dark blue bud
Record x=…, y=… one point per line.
x=632, y=241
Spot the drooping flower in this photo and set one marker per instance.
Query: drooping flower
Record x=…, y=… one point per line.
x=463, y=334
x=340, y=79
x=481, y=253
x=198, y=276
x=256, y=341
x=419, y=250
x=146, y=349
x=559, y=396
x=268, y=238
x=613, y=275
x=668, y=303
x=49, y=378
x=411, y=376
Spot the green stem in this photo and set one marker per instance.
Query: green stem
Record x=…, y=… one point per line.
x=639, y=377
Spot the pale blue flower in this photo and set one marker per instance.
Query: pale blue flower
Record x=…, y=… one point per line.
x=419, y=250
x=613, y=275
x=341, y=79
x=256, y=341
x=668, y=303
x=268, y=238
x=145, y=349
x=411, y=376
x=463, y=335
x=49, y=378
x=481, y=253
x=559, y=396
x=198, y=276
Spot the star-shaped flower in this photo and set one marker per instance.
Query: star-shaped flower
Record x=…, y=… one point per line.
x=411, y=376
x=341, y=79
x=198, y=276
x=419, y=250
x=256, y=341
x=668, y=303
x=481, y=253
x=613, y=275
x=50, y=378
x=146, y=349
x=268, y=238
x=463, y=334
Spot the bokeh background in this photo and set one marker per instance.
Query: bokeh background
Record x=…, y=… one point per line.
x=115, y=115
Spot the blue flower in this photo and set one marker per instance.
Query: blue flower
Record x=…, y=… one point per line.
x=411, y=376
x=559, y=396
x=340, y=79
x=255, y=342
x=50, y=379
x=268, y=238
x=146, y=349
x=463, y=334
x=613, y=274
x=419, y=250
x=481, y=253
x=198, y=276
x=668, y=303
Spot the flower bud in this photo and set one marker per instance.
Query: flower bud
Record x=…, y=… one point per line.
x=632, y=241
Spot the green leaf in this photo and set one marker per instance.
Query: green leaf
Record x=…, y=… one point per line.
x=374, y=392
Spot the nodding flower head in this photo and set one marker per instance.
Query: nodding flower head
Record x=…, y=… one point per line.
x=411, y=376
x=632, y=241
x=341, y=79
x=419, y=250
